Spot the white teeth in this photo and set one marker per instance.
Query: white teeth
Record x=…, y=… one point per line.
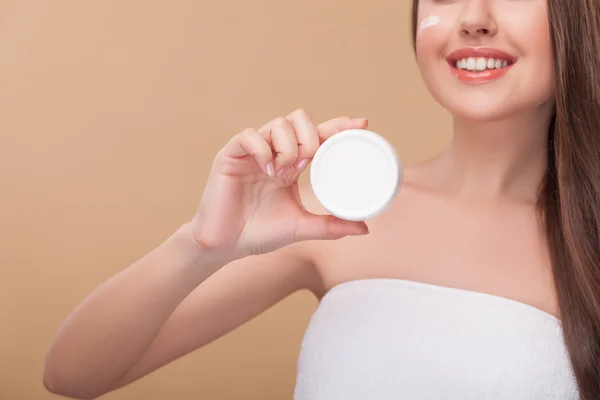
x=480, y=64
x=471, y=64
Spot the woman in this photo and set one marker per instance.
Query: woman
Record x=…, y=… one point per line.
x=482, y=281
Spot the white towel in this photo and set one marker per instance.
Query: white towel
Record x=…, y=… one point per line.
x=392, y=339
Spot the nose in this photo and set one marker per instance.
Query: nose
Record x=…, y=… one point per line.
x=477, y=19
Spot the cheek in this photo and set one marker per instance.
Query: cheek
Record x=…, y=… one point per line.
x=530, y=34
x=430, y=46
x=430, y=36
x=539, y=42
x=435, y=26
x=529, y=31
x=544, y=60
x=429, y=51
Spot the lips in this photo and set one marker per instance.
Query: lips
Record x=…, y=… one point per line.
x=479, y=52
x=480, y=65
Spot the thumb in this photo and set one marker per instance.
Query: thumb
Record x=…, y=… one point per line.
x=327, y=227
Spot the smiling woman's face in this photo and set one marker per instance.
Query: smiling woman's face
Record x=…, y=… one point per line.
x=484, y=60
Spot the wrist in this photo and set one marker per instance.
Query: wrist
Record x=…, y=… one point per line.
x=199, y=254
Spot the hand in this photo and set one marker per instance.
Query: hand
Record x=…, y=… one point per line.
x=251, y=203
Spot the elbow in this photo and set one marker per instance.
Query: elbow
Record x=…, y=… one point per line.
x=62, y=384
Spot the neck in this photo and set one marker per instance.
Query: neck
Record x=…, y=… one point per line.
x=505, y=158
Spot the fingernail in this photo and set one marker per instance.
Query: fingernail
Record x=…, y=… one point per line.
x=359, y=120
x=302, y=164
x=270, y=169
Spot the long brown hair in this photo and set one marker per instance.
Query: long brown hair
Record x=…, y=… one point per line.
x=569, y=200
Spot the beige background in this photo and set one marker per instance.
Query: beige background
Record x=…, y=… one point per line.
x=110, y=114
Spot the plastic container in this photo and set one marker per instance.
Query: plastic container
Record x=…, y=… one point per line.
x=356, y=174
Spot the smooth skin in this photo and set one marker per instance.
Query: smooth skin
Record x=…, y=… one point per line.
x=464, y=219
x=244, y=250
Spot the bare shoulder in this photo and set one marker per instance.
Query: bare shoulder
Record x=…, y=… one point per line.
x=354, y=257
x=384, y=251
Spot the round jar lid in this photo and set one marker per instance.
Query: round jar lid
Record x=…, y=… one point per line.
x=356, y=174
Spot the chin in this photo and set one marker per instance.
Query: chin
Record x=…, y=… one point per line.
x=481, y=112
x=478, y=108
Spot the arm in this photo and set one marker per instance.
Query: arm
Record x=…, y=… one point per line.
x=163, y=306
x=180, y=296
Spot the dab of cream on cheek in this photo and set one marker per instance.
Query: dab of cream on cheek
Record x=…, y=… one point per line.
x=429, y=22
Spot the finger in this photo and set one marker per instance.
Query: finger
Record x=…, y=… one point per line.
x=307, y=137
x=327, y=227
x=250, y=142
x=336, y=125
x=327, y=129
x=280, y=134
